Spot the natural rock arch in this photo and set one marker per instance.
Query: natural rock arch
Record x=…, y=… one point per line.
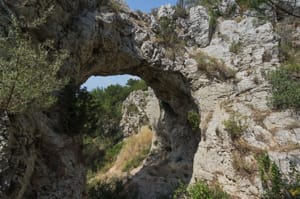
x=101, y=41
x=105, y=38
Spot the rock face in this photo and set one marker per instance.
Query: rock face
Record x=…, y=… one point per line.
x=105, y=38
x=199, y=25
x=140, y=108
x=165, y=11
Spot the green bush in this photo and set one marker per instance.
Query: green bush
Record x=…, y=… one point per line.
x=285, y=87
x=180, y=191
x=235, y=126
x=275, y=185
x=180, y=11
x=168, y=37
x=201, y=190
x=167, y=32
x=107, y=190
x=193, y=118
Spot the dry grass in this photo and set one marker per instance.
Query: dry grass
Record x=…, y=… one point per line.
x=243, y=166
x=213, y=67
x=259, y=117
x=136, y=146
x=134, y=150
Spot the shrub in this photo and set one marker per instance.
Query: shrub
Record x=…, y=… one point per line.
x=275, y=185
x=271, y=178
x=213, y=67
x=107, y=190
x=180, y=191
x=285, y=87
x=250, y=4
x=167, y=32
x=169, y=38
x=180, y=11
x=193, y=118
x=235, y=126
x=200, y=190
x=213, y=20
x=235, y=47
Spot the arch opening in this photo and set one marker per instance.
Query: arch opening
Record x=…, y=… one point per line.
x=170, y=160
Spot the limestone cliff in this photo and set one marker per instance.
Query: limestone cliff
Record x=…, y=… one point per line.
x=218, y=71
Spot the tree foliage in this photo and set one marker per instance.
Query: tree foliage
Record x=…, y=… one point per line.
x=104, y=107
x=28, y=72
x=286, y=87
x=193, y=118
x=100, y=112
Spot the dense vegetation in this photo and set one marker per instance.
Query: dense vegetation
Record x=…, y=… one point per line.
x=285, y=80
x=28, y=72
x=286, y=87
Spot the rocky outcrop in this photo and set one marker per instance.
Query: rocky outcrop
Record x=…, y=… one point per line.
x=165, y=11
x=199, y=25
x=105, y=38
x=140, y=108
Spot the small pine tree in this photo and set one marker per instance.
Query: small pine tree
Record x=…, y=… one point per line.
x=28, y=72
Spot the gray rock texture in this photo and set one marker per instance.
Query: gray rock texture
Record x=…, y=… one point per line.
x=140, y=108
x=165, y=11
x=199, y=25
x=103, y=38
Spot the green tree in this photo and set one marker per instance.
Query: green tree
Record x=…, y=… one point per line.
x=28, y=72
